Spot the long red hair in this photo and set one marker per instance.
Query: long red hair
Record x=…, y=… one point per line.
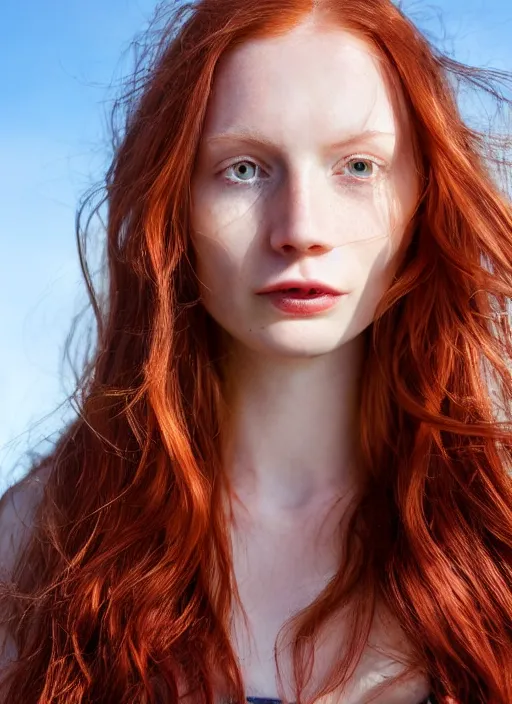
x=125, y=587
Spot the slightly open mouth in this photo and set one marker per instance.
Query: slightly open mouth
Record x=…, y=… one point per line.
x=304, y=292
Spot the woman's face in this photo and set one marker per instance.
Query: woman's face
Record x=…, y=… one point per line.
x=305, y=172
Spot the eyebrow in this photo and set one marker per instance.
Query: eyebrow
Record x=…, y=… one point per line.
x=254, y=137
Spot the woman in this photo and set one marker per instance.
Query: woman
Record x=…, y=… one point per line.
x=289, y=477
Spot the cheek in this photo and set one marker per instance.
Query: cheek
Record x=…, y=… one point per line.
x=220, y=258
x=392, y=213
x=371, y=257
x=374, y=264
x=222, y=235
x=371, y=224
x=214, y=261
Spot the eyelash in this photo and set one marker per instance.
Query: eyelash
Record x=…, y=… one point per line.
x=352, y=179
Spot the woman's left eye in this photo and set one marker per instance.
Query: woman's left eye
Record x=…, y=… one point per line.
x=361, y=167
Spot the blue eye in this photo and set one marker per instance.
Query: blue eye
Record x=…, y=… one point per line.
x=362, y=167
x=244, y=169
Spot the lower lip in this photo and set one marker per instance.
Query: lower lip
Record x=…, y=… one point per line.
x=298, y=304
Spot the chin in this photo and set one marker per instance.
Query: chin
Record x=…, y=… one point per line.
x=291, y=337
x=299, y=341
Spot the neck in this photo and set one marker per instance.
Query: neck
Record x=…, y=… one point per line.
x=291, y=438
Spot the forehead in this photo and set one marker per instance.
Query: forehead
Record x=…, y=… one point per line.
x=310, y=78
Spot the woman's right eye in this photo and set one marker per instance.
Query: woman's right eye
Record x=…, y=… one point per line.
x=243, y=171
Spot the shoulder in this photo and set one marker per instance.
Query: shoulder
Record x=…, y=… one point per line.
x=18, y=507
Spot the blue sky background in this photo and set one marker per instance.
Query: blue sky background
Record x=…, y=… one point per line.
x=58, y=60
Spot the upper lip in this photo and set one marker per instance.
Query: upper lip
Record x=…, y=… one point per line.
x=301, y=284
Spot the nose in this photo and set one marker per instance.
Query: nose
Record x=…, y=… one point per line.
x=303, y=217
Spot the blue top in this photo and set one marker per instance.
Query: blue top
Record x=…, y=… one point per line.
x=266, y=700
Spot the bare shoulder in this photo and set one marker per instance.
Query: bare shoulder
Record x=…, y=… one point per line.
x=17, y=511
